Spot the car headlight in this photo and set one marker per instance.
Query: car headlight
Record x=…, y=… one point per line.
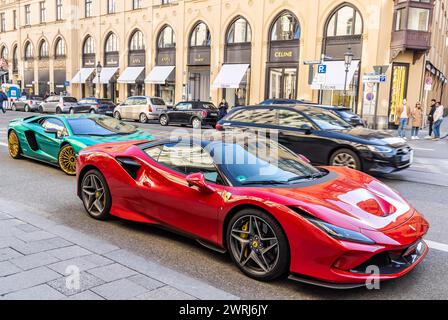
x=381, y=149
x=341, y=233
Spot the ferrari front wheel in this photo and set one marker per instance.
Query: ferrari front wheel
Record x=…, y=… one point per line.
x=67, y=160
x=95, y=195
x=258, y=245
x=14, y=145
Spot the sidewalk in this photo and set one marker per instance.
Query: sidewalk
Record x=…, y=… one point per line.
x=41, y=260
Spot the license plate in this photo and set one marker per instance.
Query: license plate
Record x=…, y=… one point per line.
x=407, y=157
x=213, y=114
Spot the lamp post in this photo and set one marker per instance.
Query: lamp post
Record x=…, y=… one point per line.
x=348, y=57
x=99, y=68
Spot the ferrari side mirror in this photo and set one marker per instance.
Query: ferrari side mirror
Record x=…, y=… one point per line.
x=198, y=180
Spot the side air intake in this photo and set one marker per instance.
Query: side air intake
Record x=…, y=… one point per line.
x=130, y=165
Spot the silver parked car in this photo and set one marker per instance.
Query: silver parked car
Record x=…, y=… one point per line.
x=27, y=103
x=60, y=104
x=140, y=108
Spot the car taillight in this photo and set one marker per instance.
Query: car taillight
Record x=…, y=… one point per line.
x=204, y=114
x=219, y=127
x=150, y=108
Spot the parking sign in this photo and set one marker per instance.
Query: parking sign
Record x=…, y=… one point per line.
x=322, y=69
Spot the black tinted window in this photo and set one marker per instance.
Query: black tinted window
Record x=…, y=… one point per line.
x=264, y=116
x=102, y=126
x=241, y=116
x=186, y=159
x=292, y=119
x=157, y=102
x=52, y=123
x=70, y=99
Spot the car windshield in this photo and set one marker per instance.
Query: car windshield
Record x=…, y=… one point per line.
x=347, y=114
x=261, y=162
x=326, y=120
x=70, y=99
x=101, y=126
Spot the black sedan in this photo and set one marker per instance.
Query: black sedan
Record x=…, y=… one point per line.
x=195, y=113
x=343, y=112
x=324, y=138
x=98, y=106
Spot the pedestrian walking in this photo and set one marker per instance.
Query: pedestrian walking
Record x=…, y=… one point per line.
x=223, y=108
x=3, y=99
x=404, y=113
x=432, y=109
x=417, y=118
x=438, y=120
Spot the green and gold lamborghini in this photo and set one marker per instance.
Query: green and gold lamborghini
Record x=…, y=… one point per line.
x=57, y=139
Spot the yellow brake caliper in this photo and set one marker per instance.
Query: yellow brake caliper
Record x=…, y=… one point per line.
x=244, y=236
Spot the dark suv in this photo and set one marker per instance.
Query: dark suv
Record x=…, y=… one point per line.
x=99, y=106
x=345, y=113
x=195, y=113
x=323, y=137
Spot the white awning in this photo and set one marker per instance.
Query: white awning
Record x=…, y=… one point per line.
x=106, y=75
x=230, y=76
x=82, y=75
x=159, y=74
x=131, y=74
x=335, y=75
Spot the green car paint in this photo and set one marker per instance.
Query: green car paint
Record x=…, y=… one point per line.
x=47, y=146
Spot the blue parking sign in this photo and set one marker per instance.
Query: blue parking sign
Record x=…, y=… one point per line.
x=322, y=69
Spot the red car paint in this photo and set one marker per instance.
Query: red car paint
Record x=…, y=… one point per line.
x=351, y=200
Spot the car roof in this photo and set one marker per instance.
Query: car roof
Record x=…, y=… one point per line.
x=299, y=107
x=193, y=101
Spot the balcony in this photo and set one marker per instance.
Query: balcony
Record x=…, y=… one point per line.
x=412, y=26
x=411, y=39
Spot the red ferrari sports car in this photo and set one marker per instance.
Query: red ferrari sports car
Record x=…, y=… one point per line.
x=270, y=209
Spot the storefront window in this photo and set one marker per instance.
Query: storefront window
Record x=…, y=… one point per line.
x=199, y=57
x=398, y=90
x=283, y=83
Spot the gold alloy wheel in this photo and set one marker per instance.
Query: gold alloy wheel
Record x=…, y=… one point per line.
x=67, y=160
x=13, y=145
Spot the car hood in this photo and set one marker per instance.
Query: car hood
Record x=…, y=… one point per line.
x=347, y=198
x=369, y=136
x=93, y=140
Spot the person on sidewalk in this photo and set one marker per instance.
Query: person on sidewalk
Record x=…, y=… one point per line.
x=223, y=109
x=417, y=118
x=3, y=99
x=438, y=120
x=432, y=109
x=403, y=112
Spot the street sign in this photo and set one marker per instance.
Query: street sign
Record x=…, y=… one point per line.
x=322, y=69
x=374, y=78
x=67, y=83
x=311, y=62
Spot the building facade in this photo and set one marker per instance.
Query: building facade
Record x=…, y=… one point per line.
x=242, y=50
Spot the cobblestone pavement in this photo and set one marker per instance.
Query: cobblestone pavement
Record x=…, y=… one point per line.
x=40, y=259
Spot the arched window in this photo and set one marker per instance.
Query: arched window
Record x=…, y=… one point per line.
x=200, y=36
x=29, y=54
x=43, y=49
x=15, y=59
x=285, y=27
x=239, y=32
x=111, y=43
x=89, y=46
x=137, y=43
x=60, y=49
x=4, y=53
x=167, y=38
x=345, y=21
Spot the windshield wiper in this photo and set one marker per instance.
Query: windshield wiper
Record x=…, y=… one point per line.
x=308, y=177
x=265, y=182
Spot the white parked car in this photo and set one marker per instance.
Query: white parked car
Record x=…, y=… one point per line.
x=140, y=108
